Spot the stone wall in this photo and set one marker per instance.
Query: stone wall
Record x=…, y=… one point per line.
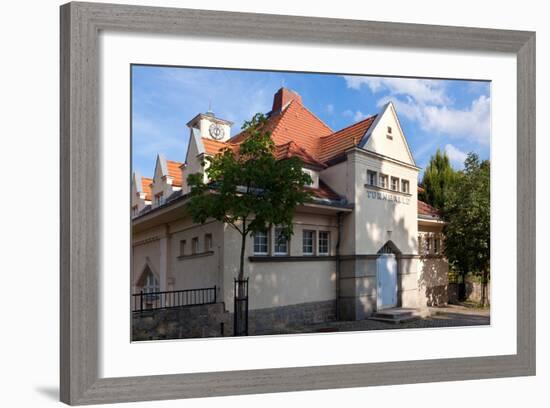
x=206, y=320
x=473, y=291
x=282, y=319
x=180, y=323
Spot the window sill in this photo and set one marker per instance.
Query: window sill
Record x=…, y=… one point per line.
x=287, y=258
x=388, y=190
x=197, y=255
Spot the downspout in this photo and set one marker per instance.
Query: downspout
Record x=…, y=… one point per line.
x=339, y=222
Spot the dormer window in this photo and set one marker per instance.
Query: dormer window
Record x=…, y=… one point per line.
x=311, y=175
x=159, y=200
x=389, y=133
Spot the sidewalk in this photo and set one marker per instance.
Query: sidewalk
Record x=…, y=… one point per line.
x=448, y=316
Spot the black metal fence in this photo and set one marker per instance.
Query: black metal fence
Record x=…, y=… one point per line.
x=175, y=298
x=240, y=315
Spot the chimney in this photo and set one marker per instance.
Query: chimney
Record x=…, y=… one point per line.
x=283, y=97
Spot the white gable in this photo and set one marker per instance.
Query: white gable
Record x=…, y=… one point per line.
x=386, y=136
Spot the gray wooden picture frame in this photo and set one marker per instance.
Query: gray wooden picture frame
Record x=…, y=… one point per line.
x=80, y=189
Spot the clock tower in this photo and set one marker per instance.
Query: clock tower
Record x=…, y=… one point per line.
x=210, y=127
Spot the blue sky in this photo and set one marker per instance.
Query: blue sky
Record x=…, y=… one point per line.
x=451, y=115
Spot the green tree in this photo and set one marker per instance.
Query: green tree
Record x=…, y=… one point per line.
x=249, y=189
x=438, y=177
x=467, y=212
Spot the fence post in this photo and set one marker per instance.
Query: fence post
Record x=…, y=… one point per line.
x=215, y=293
x=141, y=300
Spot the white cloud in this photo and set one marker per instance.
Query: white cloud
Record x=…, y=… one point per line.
x=355, y=115
x=421, y=90
x=330, y=108
x=456, y=156
x=473, y=123
x=427, y=102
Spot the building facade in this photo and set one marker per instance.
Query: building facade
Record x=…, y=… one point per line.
x=365, y=243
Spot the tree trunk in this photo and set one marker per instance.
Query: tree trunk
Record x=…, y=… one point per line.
x=243, y=247
x=484, y=288
x=241, y=303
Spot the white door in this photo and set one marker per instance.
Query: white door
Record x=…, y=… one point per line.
x=386, y=267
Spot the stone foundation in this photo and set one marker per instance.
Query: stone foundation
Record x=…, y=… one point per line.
x=281, y=319
x=180, y=323
x=206, y=320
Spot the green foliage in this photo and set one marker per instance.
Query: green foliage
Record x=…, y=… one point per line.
x=438, y=178
x=467, y=212
x=249, y=189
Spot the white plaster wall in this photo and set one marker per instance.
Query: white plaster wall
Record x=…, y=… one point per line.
x=378, y=142
x=377, y=221
x=337, y=178
x=199, y=271
x=137, y=198
x=341, y=178
x=283, y=283
x=145, y=253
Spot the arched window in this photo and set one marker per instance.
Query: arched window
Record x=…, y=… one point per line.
x=149, y=282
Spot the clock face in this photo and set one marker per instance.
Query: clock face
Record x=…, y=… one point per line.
x=216, y=131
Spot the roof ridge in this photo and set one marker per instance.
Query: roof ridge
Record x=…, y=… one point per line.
x=349, y=126
x=315, y=116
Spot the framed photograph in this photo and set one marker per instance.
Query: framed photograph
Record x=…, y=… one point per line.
x=272, y=203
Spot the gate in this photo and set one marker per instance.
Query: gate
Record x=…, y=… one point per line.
x=240, y=315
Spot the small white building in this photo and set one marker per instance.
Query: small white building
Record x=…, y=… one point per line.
x=364, y=244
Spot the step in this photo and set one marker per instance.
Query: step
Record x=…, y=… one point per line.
x=396, y=315
x=394, y=321
x=393, y=315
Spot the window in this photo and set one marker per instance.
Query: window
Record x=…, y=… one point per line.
x=260, y=243
x=135, y=210
x=207, y=242
x=310, y=174
x=308, y=242
x=151, y=283
x=428, y=244
x=371, y=178
x=324, y=239
x=383, y=181
x=405, y=186
x=158, y=199
x=437, y=245
x=281, y=242
x=395, y=184
x=389, y=134
x=182, y=247
x=195, y=246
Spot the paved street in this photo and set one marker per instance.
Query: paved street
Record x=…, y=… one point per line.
x=449, y=316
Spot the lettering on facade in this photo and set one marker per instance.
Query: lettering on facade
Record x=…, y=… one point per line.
x=378, y=195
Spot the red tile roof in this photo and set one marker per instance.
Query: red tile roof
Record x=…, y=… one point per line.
x=325, y=192
x=337, y=143
x=146, y=187
x=291, y=149
x=211, y=146
x=293, y=123
x=427, y=210
x=174, y=171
